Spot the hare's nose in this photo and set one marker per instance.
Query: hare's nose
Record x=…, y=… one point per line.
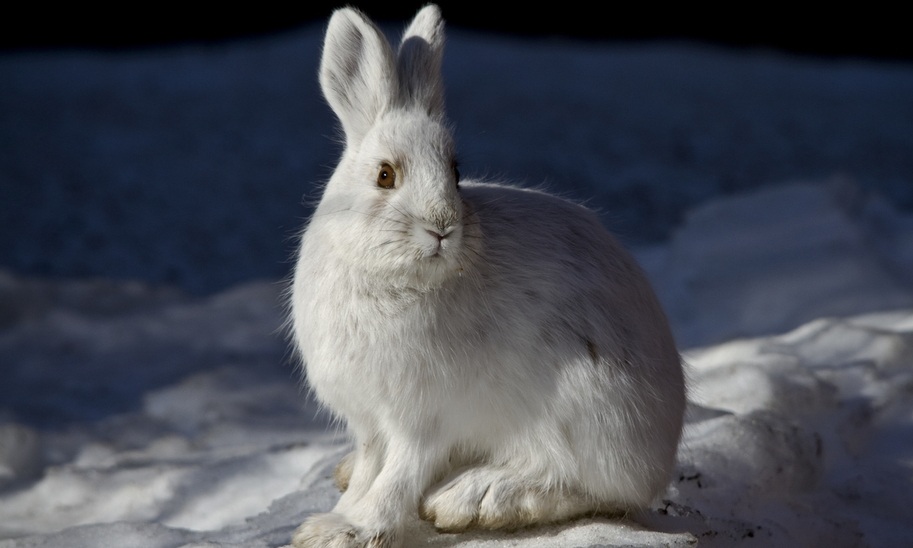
x=439, y=234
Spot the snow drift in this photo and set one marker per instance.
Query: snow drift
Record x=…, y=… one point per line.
x=137, y=416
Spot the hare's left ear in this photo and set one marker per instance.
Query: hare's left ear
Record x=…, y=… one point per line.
x=418, y=63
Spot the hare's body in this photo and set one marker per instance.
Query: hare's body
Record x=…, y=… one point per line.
x=499, y=360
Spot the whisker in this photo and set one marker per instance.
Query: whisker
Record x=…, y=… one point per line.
x=393, y=206
x=366, y=214
x=474, y=251
x=398, y=210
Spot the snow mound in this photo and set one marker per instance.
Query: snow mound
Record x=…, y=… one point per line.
x=767, y=260
x=795, y=439
x=139, y=416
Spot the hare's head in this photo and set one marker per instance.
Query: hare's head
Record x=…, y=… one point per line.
x=397, y=180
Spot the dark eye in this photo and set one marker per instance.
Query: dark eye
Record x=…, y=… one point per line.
x=386, y=176
x=456, y=173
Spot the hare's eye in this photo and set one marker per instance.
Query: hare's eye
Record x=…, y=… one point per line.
x=386, y=176
x=456, y=174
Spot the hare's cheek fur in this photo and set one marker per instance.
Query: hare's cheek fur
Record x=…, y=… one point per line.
x=498, y=359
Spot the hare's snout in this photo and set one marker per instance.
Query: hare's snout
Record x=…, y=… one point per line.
x=434, y=240
x=438, y=230
x=439, y=234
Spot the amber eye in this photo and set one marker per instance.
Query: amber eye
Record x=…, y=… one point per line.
x=386, y=176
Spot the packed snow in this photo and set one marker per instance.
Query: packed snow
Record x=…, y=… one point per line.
x=767, y=197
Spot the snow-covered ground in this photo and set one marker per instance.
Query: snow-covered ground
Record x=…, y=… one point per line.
x=769, y=198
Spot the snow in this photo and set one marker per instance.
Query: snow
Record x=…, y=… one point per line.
x=779, y=237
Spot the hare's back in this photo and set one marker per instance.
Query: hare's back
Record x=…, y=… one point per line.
x=531, y=229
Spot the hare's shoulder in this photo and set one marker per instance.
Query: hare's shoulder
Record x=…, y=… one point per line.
x=549, y=227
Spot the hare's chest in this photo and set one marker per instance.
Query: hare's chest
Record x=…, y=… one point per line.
x=368, y=356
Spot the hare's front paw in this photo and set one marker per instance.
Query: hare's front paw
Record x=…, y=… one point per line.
x=334, y=531
x=494, y=498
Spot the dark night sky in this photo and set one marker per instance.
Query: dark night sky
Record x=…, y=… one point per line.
x=876, y=32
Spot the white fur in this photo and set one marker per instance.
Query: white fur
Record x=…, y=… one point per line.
x=498, y=358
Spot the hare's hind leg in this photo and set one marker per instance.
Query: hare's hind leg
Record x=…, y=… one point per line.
x=342, y=473
x=492, y=497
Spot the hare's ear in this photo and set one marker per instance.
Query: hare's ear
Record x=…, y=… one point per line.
x=357, y=72
x=418, y=62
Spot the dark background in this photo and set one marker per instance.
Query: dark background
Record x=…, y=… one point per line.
x=856, y=30
x=124, y=154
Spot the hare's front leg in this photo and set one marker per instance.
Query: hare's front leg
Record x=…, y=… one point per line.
x=371, y=514
x=357, y=470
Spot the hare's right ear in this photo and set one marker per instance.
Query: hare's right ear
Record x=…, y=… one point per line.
x=419, y=61
x=357, y=72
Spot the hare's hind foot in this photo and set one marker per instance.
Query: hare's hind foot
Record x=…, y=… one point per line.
x=497, y=498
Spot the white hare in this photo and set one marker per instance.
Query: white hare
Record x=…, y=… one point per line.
x=498, y=358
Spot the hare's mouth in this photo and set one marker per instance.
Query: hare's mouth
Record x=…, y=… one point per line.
x=434, y=254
